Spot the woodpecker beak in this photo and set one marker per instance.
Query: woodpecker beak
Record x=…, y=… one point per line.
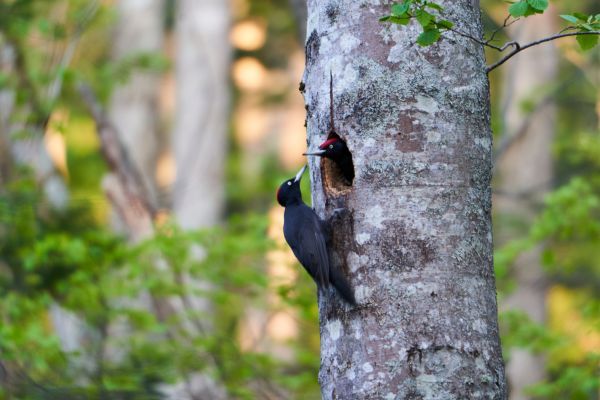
x=299, y=174
x=315, y=153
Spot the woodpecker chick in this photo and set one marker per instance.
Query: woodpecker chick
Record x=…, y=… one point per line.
x=334, y=147
x=336, y=150
x=305, y=234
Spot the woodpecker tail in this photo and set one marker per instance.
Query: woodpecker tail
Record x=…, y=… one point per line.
x=340, y=282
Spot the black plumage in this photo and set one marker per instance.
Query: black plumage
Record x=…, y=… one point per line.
x=336, y=150
x=304, y=233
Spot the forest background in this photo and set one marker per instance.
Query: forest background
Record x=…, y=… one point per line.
x=141, y=254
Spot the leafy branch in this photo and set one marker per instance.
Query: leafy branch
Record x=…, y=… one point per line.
x=424, y=13
x=517, y=48
x=586, y=28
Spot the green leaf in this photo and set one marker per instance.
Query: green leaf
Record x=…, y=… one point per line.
x=570, y=18
x=532, y=11
x=395, y=20
x=400, y=9
x=428, y=37
x=435, y=6
x=424, y=18
x=581, y=16
x=587, y=27
x=540, y=5
x=444, y=23
x=587, y=42
x=518, y=9
x=400, y=20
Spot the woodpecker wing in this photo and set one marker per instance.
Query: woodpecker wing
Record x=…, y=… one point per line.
x=303, y=232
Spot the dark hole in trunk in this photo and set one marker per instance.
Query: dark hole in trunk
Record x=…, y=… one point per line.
x=338, y=174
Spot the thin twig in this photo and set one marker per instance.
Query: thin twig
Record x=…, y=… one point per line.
x=55, y=87
x=505, y=24
x=485, y=43
x=518, y=48
x=473, y=38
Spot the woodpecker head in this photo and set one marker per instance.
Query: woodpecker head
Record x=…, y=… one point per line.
x=289, y=191
x=332, y=148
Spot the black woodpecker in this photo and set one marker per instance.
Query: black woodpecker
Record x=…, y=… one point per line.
x=305, y=234
x=336, y=150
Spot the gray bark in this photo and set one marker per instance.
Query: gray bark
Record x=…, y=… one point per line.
x=134, y=105
x=526, y=166
x=415, y=239
x=199, y=146
x=200, y=137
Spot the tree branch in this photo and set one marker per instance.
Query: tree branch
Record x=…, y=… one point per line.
x=124, y=186
x=505, y=24
x=518, y=48
x=55, y=87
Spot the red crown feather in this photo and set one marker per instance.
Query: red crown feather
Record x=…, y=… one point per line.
x=326, y=143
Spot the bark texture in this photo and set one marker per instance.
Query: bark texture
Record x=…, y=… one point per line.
x=415, y=237
x=526, y=168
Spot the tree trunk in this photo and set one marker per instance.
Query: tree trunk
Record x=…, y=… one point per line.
x=199, y=146
x=134, y=106
x=299, y=11
x=415, y=239
x=526, y=167
x=200, y=137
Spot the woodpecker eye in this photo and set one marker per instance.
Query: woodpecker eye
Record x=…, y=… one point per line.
x=331, y=146
x=289, y=183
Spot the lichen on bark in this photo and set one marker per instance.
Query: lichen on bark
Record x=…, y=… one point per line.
x=415, y=239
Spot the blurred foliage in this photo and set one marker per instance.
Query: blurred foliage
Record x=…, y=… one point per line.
x=115, y=287
x=135, y=307
x=567, y=229
x=136, y=339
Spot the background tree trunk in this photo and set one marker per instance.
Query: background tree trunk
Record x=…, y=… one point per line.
x=299, y=10
x=199, y=145
x=526, y=167
x=416, y=235
x=200, y=137
x=134, y=105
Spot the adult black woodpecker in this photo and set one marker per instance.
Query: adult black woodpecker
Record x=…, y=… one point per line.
x=334, y=148
x=305, y=233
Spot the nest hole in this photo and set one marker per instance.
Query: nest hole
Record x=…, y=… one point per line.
x=334, y=182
